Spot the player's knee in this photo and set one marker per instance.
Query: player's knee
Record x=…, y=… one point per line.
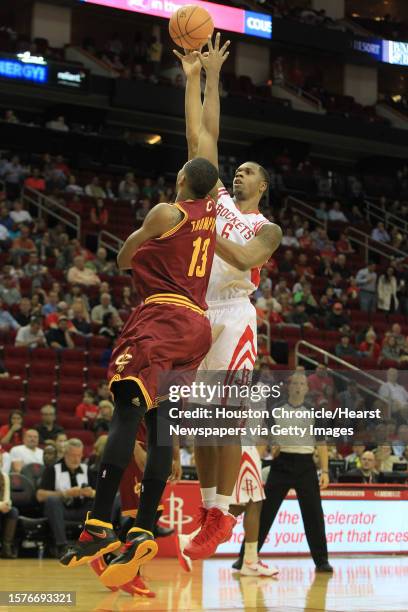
x=129, y=400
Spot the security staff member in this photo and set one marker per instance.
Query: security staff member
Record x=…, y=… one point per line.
x=293, y=468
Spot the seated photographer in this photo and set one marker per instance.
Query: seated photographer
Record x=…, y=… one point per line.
x=367, y=471
x=66, y=490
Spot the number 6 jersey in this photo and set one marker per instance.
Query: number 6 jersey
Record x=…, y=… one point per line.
x=227, y=282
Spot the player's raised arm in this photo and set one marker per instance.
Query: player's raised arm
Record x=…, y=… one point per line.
x=159, y=220
x=212, y=62
x=193, y=106
x=253, y=254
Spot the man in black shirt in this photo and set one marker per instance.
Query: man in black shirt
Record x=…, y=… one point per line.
x=67, y=490
x=60, y=337
x=48, y=429
x=367, y=472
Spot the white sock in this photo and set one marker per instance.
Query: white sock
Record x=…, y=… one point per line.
x=208, y=496
x=251, y=552
x=222, y=502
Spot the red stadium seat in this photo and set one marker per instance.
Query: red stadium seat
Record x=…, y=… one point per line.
x=87, y=437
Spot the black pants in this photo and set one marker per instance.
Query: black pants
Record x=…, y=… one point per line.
x=57, y=513
x=295, y=471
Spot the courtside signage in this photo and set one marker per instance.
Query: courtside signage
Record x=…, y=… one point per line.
x=225, y=18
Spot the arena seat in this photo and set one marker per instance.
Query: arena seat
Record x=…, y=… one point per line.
x=87, y=437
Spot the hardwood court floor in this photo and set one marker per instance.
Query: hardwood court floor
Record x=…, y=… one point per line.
x=365, y=584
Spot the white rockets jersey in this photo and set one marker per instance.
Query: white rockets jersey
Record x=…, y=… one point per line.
x=227, y=282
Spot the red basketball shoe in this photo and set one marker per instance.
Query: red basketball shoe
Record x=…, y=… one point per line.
x=134, y=587
x=216, y=530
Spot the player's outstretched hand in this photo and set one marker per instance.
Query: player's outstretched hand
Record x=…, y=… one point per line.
x=190, y=62
x=213, y=59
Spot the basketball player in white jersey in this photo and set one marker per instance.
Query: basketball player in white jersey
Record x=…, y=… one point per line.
x=231, y=314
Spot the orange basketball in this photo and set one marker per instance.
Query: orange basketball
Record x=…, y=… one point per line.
x=190, y=26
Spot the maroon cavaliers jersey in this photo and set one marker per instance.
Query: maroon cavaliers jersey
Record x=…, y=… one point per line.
x=179, y=262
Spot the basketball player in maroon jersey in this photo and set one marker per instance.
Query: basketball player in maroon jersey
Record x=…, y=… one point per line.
x=171, y=257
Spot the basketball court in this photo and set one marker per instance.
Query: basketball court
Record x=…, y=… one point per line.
x=365, y=584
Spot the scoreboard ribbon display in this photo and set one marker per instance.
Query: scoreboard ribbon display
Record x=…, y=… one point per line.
x=225, y=17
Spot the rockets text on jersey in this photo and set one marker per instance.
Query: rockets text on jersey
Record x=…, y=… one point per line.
x=227, y=282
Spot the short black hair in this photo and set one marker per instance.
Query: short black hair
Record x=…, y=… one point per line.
x=201, y=176
x=264, y=173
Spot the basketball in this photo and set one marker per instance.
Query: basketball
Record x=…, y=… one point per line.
x=190, y=26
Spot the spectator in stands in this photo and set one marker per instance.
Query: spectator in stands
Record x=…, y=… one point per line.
x=387, y=291
x=105, y=306
x=101, y=264
x=13, y=432
x=87, y=410
x=61, y=444
x=19, y=214
x=339, y=266
x=289, y=240
x=127, y=300
x=75, y=294
x=8, y=516
x=22, y=246
x=51, y=305
x=369, y=347
x=60, y=337
x=4, y=237
x=110, y=328
x=395, y=395
x=154, y=56
x=320, y=383
x=380, y=234
x=299, y=316
x=7, y=321
x=58, y=124
x=48, y=428
x=101, y=424
x=10, y=117
x=321, y=212
x=287, y=265
x=73, y=187
x=99, y=214
x=5, y=219
x=96, y=457
x=31, y=335
x=142, y=210
x=35, y=270
x=336, y=214
x=13, y=174
x=67, y=490
x=49, y=454
x=353, y=460
x=366, y=280
x=267, y=302
x=384, y=458
x=129, y=189
x=343, y=245
x=94, y=190
x=399, y=337
x=28, y=452
x=337, y=319
x=103, y=392
x=51, y=320
x=367, y=472
x=344, y=348
x=401, y=442
x=390, y=349
x=80, y=318
x=80, y=275
x=35, y=181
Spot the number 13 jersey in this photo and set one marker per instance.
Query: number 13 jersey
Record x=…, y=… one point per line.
x=178, y=263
